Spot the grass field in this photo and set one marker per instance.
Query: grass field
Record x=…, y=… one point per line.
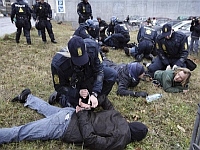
x=170, y=120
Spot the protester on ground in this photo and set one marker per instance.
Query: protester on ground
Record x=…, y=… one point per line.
x=128, y=75
x=84, y=11
x=173, y=81
x=79, y=126
x=80, y=68
x=195, y=29
x=146, y=44
x=172, y=50
x=21, y=15
x=119, y=34
x=43, y=16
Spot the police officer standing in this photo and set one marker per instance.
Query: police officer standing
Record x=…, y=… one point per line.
x=80, y=68
x=172, y=50
x=43, y=16
x=21, y=12
x=84, y=11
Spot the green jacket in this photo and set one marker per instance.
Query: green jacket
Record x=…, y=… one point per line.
x=166, y=79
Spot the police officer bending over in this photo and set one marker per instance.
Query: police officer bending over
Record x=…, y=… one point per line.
x=43, y=16
x=22, y=13
x=172, y=50
x=84, y=11
x=82, y=70
x=146, y=43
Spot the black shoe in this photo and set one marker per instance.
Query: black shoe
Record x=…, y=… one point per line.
x=29, y=43
x=53, y=41
x=44, y=41
x=126, y=50
x=53, y=98
x=22, y=96
x=17, y=41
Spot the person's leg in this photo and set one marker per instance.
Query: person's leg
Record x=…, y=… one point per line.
x=18, y=33
x=43, y=35
x=196, y=45
x=48, y=128
x=50, y=31
x=110, y=76
x=191, y=45
x=27, y=34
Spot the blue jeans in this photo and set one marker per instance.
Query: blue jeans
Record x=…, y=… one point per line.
x=52, y=127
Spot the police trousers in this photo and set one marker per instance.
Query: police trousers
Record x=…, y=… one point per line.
x=50, y=128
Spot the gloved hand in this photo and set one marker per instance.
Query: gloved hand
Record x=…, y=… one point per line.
x=91, y=17
x=12, y=20
x=141, y=94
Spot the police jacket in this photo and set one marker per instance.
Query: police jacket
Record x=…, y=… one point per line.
x=84, y=10
x=121, y=28
x=146, y=33
x=104, y=130
x=125, y=81
x=82, y=32
x=174, y=48
x=43, y=11
x=195, y=31
x=103, y=25
x=166, y=79
x=20, y=10
x=68, y=80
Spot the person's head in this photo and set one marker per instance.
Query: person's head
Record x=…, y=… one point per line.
x=77, y=51
x=89, y=23
x=138, y=131
x=136, y=70
x=182, y=75
x=99, y=19
x=167, y=31
x=85, y=1
x=114, y=20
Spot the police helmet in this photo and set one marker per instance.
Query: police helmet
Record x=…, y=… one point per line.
x=90, y=23
x=114, y=20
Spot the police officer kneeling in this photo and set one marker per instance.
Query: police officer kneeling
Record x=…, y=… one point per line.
x=80, y=68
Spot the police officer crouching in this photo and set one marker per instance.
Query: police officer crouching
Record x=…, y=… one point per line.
x=43, y=14
x=81, y=68
x=21, y=12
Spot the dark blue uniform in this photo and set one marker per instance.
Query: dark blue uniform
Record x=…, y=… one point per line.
x=68, y=79
x=44, y=14
x=173, y=51
x=22, y=12
x=84, y=11
x=146, y=38
x=119, y=38
x=82, y=31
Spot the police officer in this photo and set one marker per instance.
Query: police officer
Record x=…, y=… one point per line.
x=43, y=16
x=120, y=36
x=21, y=12
x=34, y=15
x=172, y=50
x=84, y=11
x=146, y=43
x=80, y=68
x=85, y=28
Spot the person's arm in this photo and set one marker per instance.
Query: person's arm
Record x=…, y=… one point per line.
x=160, y=52
x=49, y=12
x=79, y=10
x=90, y=136
x=13, y=12
x=184, y=52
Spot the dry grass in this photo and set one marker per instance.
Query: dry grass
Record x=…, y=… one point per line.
x=25, y=66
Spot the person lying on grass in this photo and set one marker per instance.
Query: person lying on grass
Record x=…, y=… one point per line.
x=103, y=130
x=173, y=81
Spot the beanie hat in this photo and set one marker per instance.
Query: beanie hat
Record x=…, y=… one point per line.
x=135, y=69
x=138, y=131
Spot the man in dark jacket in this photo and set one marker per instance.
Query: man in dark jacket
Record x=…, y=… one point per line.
x=22, y=13
x=128, y=75
x=81, y=68
x=105, y=130
x=43, y=14
x=172, y=50
x=195, y=29
x=84, y=11
x=102, y=27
